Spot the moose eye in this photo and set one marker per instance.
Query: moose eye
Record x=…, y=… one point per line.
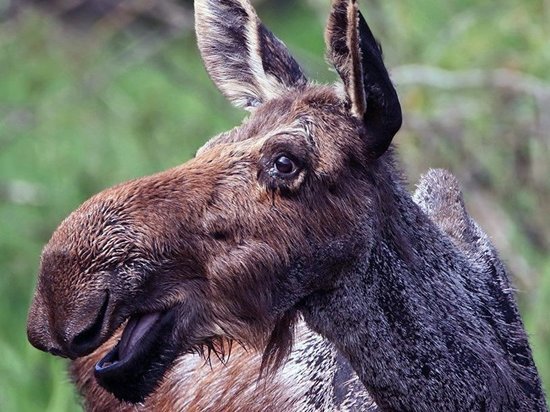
x=284, y=165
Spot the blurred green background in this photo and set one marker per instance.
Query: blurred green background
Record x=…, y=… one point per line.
x=96, y=92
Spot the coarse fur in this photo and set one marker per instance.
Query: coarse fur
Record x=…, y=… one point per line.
x=314, y=377
x=300, y=211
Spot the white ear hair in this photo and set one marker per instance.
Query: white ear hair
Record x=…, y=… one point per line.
x=342, y=38
x=244, y=59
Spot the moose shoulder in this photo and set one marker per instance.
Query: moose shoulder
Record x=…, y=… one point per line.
x=300, y=211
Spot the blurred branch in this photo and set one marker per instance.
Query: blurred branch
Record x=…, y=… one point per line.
x=497, y=78
x=114, y=14
x=505, y=79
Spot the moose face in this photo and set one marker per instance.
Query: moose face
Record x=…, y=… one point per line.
x=228, y=244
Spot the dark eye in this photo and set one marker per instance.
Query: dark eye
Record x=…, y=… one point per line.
x=285, y=165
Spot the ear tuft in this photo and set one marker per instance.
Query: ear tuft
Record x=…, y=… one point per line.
x=244, y=59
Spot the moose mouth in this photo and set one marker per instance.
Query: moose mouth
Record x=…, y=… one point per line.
x=135, y=366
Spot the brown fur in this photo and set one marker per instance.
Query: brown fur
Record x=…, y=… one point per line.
x=299, y=211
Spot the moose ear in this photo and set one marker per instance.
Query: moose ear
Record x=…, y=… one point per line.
x=244, y=59
x=357, y=57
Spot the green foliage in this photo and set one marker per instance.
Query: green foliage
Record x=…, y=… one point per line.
x=80, y=111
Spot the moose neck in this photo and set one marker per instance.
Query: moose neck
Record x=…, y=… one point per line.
x=414, y=317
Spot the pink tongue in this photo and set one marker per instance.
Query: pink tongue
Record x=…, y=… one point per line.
x=135, y=329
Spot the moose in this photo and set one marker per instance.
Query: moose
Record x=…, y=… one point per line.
x=296, y=223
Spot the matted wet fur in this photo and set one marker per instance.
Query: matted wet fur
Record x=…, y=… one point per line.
x=301, y=210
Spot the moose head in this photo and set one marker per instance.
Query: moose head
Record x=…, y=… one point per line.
x=229, y=245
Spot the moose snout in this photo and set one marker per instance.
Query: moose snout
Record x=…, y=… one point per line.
x=73, y=334
x=38, y=330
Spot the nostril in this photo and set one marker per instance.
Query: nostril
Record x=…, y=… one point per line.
x=88, y=339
